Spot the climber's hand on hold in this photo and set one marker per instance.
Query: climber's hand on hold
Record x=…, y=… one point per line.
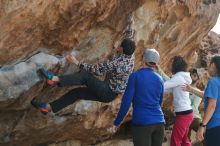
x=71, y=59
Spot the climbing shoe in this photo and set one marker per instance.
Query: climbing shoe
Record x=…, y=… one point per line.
x=41, y=106
x=48, y=75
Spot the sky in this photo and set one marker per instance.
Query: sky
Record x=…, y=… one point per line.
x=216, y=28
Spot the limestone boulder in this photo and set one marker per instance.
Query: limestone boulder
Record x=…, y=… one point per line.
x=36, y=34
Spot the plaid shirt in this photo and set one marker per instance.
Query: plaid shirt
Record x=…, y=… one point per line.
x=117, y=71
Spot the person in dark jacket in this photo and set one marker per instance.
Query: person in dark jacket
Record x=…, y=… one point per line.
x=145, y=92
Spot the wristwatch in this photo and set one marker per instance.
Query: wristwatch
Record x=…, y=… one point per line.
x=202, y=125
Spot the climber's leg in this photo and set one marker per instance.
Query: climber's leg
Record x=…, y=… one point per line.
x=72, y=96
x=100, y=88
x=96, y=90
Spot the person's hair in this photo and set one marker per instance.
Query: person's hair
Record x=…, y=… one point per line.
x=128, y=46
x=216, y=60
x=150, y=64
x=178, y=64
x=199, y=83
x=193, y=71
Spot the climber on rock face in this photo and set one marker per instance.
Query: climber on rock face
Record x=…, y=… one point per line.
x=116, y=71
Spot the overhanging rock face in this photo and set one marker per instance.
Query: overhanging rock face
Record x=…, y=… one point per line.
x=18, y=78
x=89, y=29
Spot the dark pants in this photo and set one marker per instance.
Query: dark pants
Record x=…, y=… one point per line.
x=95, y=90
x=212, y=136
x=149, y=135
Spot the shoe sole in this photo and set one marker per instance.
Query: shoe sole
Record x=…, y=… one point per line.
x=37, y=107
